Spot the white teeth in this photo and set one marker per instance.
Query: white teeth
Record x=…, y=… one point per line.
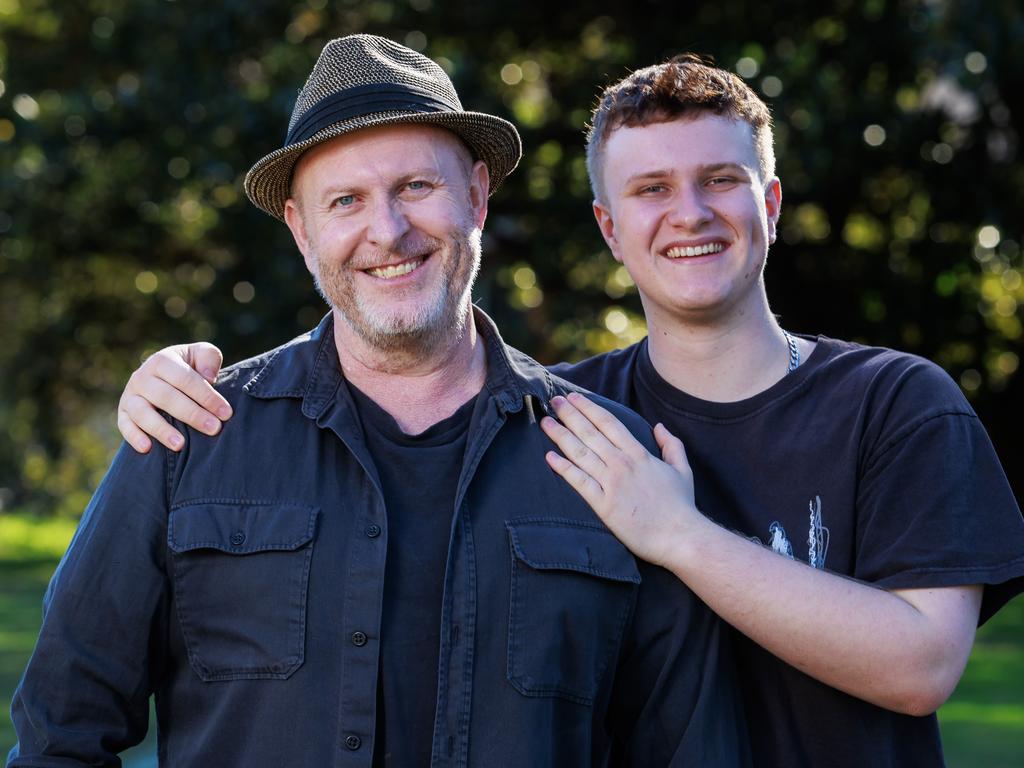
x=700, y=250
x=395, y=270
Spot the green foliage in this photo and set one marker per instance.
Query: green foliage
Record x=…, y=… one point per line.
x=25, y=538
x=126, y=128
x=21, y=603
x=983, y=722
x=29, y=550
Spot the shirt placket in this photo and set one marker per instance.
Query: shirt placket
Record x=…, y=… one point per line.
x=362, y=599
x=459, y=611
x=360, y=642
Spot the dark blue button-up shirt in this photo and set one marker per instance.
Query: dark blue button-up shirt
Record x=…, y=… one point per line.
x=241, y=582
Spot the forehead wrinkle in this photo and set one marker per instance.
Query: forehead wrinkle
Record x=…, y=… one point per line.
x=431, y=139
x=627, y=144
x=439, y=157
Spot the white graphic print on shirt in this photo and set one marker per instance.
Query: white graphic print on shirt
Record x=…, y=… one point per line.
x=817, y=537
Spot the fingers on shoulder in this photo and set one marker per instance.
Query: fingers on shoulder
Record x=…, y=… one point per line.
x=205, y=358
x=614, y=429
x=132, y=435
x=136, y=419
x=170, y=367
x=583, y=482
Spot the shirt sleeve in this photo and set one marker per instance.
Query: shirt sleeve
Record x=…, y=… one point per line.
x=934, y=506
x=675, y=700
x=84, y=696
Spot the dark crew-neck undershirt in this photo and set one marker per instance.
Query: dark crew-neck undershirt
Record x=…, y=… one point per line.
x=419, y=475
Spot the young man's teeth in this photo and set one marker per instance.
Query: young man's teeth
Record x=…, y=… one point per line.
x=395, y=270
x=700, y=250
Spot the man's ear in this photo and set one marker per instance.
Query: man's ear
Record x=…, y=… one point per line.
x=773, y=207
x=606, y=223
x=479, y=189
x=293, y=218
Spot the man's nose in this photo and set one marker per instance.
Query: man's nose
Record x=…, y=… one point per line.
x=690, y=209
x=388, y=225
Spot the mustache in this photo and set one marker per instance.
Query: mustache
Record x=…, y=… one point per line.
x=412, y=245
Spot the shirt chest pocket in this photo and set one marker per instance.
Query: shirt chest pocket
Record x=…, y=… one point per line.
x=240, y=573
x=573, y=585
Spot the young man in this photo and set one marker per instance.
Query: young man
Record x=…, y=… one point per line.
x=372, y=566
x=840, y=505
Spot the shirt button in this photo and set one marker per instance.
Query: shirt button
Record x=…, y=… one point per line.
x=358, y=638
x=373, y=531
x=238, y=538
x=353, y=742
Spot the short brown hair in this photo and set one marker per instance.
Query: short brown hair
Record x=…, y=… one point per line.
x=685, y=85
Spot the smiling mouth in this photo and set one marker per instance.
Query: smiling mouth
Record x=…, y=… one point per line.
x=391, y=271
x=681, y=252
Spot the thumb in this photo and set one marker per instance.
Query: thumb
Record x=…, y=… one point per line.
x=672, y=451
x=205, y=358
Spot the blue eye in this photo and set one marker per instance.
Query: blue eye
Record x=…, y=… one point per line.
x=345, y=200
x=417, y=185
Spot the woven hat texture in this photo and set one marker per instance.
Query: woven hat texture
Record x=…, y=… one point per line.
x=366, y=81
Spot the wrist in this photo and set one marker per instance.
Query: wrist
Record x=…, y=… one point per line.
x=685, y=545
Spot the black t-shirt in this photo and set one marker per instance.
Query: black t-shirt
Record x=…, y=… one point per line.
x=866, y=462
x=419, y=475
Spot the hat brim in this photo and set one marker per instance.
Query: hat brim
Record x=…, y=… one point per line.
x=489, y=138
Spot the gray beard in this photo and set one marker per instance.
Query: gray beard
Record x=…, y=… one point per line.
x=433, y=328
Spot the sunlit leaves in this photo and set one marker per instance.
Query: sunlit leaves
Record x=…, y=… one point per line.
x=126, y=129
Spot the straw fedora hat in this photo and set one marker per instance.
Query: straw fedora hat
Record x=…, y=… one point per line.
x=361, y=81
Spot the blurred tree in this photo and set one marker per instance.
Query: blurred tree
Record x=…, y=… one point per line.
x=126, y=128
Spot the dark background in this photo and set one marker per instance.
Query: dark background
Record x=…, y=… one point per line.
x=126, y=127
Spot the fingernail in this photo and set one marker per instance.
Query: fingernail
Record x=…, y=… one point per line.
x=211, y=425
x=557, y=400
x=224, y=412
x=176, y=441
x=209, y=374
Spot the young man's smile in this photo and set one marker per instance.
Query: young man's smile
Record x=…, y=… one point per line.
x=692, y=251
x=686, y=211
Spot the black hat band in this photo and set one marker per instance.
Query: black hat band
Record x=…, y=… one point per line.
x=365, y=100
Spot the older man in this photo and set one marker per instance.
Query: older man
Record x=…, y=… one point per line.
x=371, y=565
x=887, y=525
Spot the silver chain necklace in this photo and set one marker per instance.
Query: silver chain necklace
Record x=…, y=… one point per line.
x=794, y=353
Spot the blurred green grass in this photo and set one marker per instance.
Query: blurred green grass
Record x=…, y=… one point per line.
x=29, y=551
x=982, y=724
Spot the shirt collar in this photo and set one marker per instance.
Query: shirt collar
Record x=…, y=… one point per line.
x=307, y=367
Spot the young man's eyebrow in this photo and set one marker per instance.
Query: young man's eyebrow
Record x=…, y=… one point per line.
x=645, y=175
x=725, y=166
x=662, y=173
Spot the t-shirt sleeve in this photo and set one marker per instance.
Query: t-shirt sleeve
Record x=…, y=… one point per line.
x=934, y=506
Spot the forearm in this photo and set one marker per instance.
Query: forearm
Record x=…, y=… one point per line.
x=900, y=650
x=876, y=645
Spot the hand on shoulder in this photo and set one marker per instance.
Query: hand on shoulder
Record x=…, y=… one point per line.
x=646, y=502
x=179, y=381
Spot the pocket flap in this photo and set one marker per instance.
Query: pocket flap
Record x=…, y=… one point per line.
x=572, y=545
x=241, y=527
